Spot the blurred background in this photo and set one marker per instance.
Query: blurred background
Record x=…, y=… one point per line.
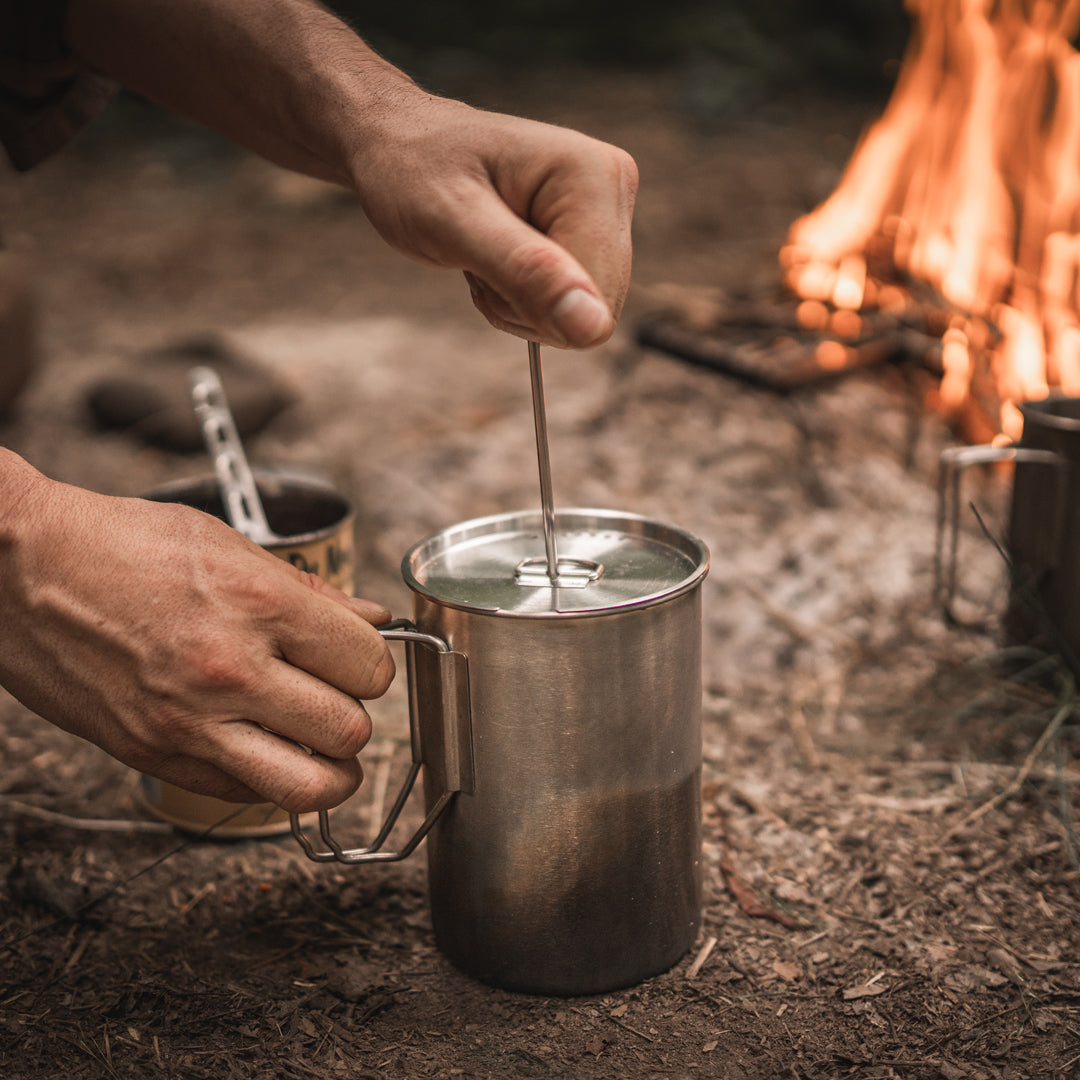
x=847, y=44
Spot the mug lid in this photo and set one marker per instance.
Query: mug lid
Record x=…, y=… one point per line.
x=608, y=560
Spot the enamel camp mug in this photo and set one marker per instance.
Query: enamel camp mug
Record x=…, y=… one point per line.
x=559, y=730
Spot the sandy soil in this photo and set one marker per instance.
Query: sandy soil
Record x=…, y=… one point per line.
x=890, y=870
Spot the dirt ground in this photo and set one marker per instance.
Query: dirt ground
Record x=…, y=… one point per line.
x=891, y=866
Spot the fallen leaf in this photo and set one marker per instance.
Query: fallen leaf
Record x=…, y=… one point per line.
x=748, y=900
x=709, y=1047
x=938, y=952
x=787, y=971
x=1046, y=967
x=974, y=975
x=952, y=1072
x=853, y=992
x=1004, y=962
x=620, y=1011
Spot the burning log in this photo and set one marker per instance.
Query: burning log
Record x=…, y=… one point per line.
x=770, y=342
x=953, y=236
x=969, y=183
x=783, y=362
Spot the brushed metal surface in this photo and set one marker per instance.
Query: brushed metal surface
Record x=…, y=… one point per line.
x=1044, y=532
x=573, y=867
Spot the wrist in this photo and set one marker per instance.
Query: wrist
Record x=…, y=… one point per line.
x=22, y=488
x=20, y=483
x=362, y=102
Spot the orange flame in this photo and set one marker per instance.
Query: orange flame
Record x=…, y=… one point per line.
x=970, y=180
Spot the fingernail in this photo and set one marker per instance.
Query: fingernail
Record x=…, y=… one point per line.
x=580, y=317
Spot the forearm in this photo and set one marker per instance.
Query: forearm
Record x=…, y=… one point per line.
x=538, y=217
x=285, y=78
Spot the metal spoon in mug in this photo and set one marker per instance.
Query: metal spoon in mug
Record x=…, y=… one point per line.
x=243, y=507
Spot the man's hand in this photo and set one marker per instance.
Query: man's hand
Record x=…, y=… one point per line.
x=181, y=648
x=537, y=216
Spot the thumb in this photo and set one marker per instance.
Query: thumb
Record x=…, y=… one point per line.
x=527, y=284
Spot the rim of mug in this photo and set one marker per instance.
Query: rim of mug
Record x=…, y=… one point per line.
x=285, y=479
x=633, y=524
x=1042, y=411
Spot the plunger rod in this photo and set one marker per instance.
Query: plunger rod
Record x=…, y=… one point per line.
x=547, y=501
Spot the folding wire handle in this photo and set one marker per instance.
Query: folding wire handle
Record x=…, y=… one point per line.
x=953, y=462
x=444, y=749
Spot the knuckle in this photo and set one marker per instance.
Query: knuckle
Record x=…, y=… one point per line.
x=322, y=789
x=529, y=333
x=304, y=795
x=232, y=790
x=536, y=268
x=627, y=171
x=260, y=594
x=312, y=581
x=352, y=733
x=218, y=670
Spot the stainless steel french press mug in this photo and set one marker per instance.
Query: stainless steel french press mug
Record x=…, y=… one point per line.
x=555, y=709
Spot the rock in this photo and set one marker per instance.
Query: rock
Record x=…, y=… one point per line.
x=150, y=399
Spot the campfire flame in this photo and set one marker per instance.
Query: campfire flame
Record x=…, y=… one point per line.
x=966, y=188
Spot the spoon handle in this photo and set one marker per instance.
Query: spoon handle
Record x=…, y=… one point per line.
x=243, y=507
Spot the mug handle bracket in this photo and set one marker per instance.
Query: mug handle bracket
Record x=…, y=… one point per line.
x=445, y=750
x=953, y=462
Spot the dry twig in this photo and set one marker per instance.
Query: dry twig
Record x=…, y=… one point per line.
x=85, y=824
x=804, y=739
x=704, y=952
x=806, y=632
x=1021, y=777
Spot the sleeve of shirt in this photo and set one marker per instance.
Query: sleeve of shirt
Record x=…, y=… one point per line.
x=46, y=95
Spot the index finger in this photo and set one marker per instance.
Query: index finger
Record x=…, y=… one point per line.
x=586, y=206
x=331, y=636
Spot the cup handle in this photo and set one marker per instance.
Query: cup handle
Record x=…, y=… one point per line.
x=953, y=462
x=446, y=751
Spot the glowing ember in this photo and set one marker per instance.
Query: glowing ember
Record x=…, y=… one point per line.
x=968, y=184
